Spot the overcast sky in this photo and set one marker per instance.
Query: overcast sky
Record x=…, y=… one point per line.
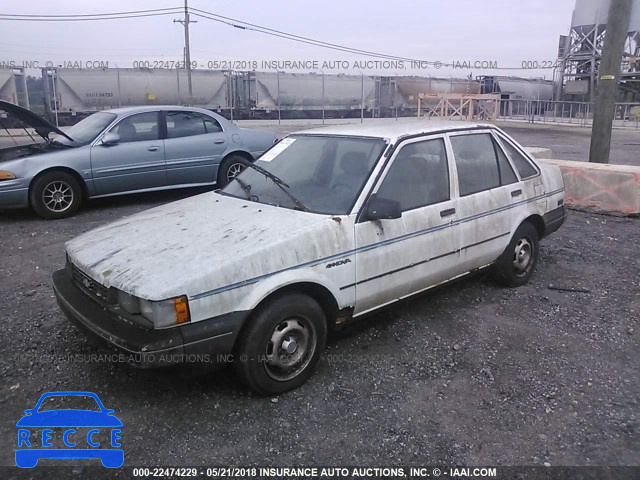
x=506, y=31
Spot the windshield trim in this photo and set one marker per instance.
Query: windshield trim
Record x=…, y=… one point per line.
x=91, y=142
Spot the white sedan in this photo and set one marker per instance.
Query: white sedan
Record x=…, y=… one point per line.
x=325, y=227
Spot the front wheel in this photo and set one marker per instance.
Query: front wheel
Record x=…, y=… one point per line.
x=517, y=263
x=230, y=168
x=281, y=345
x=55, y=194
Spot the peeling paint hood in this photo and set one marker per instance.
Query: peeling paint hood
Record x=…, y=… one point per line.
x=177, y=248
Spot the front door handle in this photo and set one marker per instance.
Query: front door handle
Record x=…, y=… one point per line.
x=516, y=193
x=218, y=142
x=447, y=212
x=153, y=149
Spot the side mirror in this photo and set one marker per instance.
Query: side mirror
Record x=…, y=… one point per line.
x=110, y=138
x=29, y=411
x=382, y=208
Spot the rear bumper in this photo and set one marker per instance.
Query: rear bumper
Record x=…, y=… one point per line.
x=206, y=341
x=554, y=219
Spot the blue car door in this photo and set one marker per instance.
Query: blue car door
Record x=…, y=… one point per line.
x=194, y=146
x=135, y=162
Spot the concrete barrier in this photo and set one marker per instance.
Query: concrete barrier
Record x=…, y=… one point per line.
x=538, y=152
x=602, y=188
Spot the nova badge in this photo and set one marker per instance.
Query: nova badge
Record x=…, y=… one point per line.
x=338, y=263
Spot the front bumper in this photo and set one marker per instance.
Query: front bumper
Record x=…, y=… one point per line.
x=14, y=194
x=207, y=341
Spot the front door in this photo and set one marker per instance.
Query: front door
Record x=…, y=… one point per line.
x=398, y=257
x=136, y=162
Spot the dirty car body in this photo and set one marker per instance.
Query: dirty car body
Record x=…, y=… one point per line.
x=348, y=220
x=118, y=151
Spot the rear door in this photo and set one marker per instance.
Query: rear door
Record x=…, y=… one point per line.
x=396, y=258
x=136, y=162
x=194, y=146
x=489, y=190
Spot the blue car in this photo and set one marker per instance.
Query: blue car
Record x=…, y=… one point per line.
x=121, y=151
x=74, y=446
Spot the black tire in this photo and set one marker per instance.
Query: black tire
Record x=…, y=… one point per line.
x=261, y=359
x=229, y=168
x=517, y=263
x=55, y=194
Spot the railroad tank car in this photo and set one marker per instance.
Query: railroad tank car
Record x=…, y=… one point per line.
x=308, y=94
x=99, y=89
x=8, y=90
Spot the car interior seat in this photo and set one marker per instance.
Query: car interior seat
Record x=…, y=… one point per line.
x=127, y=132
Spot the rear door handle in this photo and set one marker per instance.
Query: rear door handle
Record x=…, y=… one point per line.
x=447, y=212
x=218, y=142
x=516, y=193
x=153, y=149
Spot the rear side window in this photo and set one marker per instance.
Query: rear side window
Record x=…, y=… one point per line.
x=476, y=162
x=507, y=175
x=187, y=124
x=524, y=167
x=419, y=175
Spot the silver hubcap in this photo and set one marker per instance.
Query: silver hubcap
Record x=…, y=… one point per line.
x=57, y=196
x=234, y=170
x=522, y=256
x=290, y=349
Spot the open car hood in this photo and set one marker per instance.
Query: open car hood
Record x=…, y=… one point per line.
x=39, y=124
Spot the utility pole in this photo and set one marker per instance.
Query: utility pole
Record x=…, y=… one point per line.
x=187, y=51
x=609, y=73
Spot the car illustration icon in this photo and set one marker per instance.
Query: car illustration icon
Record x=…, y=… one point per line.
x=87, y=432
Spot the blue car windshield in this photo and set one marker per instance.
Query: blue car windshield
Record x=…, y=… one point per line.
x=324, y=173
x=86, y=130
x=65, y=402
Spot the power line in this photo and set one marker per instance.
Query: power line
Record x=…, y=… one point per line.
x=78, y=15
x=297, y=38
x=88, y=17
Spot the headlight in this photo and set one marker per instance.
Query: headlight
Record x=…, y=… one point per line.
x=166, y=313
x=129, y=303
x=4, y=175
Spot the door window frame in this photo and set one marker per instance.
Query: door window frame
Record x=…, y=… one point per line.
x=496, y=144
x=120, y=119
x=390, y=160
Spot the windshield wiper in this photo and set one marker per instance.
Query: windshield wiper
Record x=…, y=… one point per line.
x=245, y=188
x=280, y=183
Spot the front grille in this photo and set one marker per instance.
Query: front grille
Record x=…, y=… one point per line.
x=92, y=288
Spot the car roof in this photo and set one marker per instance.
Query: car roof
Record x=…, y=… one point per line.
x=153, y=108
x=394, y=129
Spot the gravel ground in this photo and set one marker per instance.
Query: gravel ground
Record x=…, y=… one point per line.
x=469, y=374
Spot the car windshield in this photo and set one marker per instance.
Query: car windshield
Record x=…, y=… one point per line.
x=66, y=402
x=86, y=130
x=321, y=173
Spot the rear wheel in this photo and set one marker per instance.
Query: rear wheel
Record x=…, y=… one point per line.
x=517, y=263
x=230, y=168
x=55, y=194
x=281, y=345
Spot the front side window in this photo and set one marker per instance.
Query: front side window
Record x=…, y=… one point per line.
x=138, y=128
x=419, y=175
x=476, y=162
x=186, y=124
x=325, y=173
